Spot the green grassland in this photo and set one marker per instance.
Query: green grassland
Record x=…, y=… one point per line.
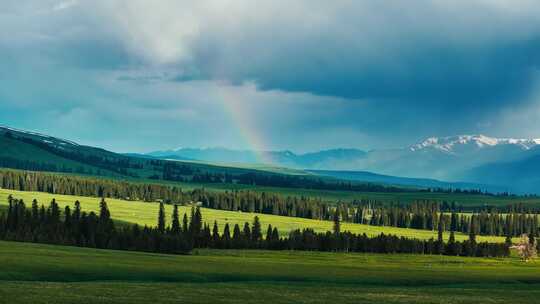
x=35, y=273
x=145, y=213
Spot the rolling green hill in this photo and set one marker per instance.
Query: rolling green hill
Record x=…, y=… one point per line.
x=32, y=155
x=38, y=152
x=35, y=273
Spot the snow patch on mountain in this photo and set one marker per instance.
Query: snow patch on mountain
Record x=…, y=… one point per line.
x=451, y=143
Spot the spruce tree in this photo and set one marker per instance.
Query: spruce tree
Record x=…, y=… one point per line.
x=105, y=220
x=215, y=236
x=269, y=233
x=451, y=247
x=35, y=213
x=246, y=232
x=196, y=224
x=237, y=236
x=226, y=237
x=77, y=212
x=440, y=241
x=256, y=231
x=161, y=218
x=67, y=218
x=175, y=228
x=185, y=224
x=275, y=234
x=337, y=224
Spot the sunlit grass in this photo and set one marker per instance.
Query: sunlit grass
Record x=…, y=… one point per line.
x=145, y=213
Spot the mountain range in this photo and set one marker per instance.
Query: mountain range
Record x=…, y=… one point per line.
x=465, y=161
x=506, y=162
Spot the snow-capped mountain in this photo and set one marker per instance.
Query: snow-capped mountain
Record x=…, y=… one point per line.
x=453, y=144
x=452, y=158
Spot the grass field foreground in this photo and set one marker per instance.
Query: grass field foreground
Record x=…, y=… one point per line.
x=35, y=273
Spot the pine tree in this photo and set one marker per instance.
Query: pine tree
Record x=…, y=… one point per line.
x=175, y=228
x=35, y=213
x=161, y=218
x=77, y=212
x=226, y=237
x=256, y=231
x=440, y=241
x=337, y=224
x=67, y=218
x=215, y=236
x=275, y=234
x=105, y=220
x=237, y=236
x=269, y=233
x=54, y=212
x=451, y=247
x=185, y=225
x=247, y=232
x=196, y=224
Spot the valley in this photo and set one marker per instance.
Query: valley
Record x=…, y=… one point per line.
x=251, y=152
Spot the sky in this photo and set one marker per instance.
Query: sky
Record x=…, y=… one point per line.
x=304, y=75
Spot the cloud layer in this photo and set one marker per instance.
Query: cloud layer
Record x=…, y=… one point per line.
x=139, y=75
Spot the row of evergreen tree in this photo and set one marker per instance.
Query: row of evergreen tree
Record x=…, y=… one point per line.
x=418, y=215
x=428, y=216
x=79, y=228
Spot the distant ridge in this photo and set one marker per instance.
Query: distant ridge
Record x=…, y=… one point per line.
x=465, y=161
x=460, y=158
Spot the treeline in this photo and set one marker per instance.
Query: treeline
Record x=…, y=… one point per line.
x=10, y=162
x=427, y=215
x=417, y=215
x=86, y=186
x=424, y=215
x=78, y=228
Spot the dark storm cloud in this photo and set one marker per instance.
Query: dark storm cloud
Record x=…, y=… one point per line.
x=422, y=53
x=312, y=74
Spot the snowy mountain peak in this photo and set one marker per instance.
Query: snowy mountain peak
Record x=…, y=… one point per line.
x=451, y=143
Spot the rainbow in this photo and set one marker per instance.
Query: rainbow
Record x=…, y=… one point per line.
x=233, y=102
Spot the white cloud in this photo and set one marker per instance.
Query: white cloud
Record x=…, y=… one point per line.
x=64, y=5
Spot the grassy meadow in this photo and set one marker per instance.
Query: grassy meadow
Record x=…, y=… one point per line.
x=145, y=213
x=36, y=273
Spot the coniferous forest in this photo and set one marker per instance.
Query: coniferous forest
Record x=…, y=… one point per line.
x=512, y=220
x=75, y=227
